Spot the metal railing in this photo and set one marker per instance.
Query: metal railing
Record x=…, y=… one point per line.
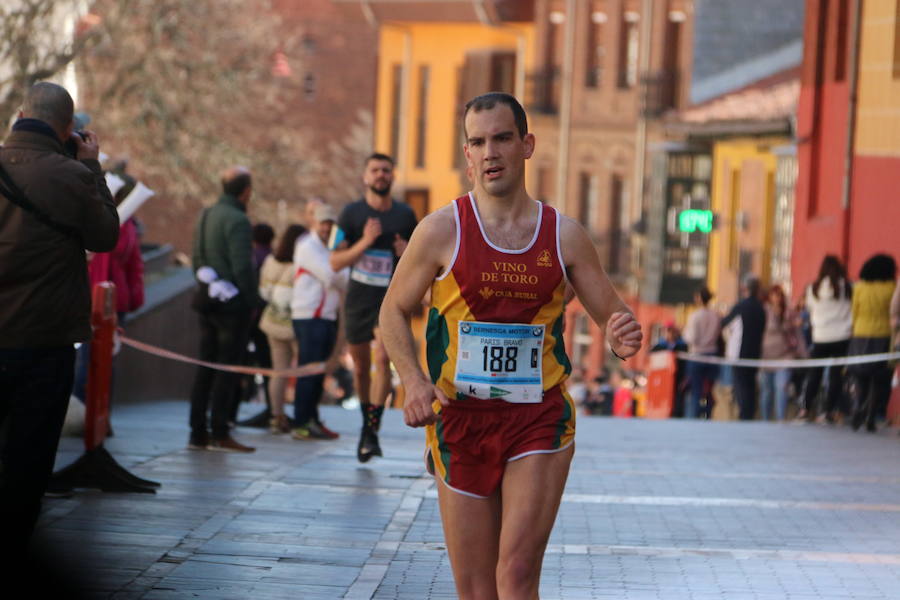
x=543, y=90
x=659, y=92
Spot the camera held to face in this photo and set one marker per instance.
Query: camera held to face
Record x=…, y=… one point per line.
x=71, y=146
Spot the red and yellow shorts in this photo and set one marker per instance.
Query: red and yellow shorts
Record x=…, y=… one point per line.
x=471, y=442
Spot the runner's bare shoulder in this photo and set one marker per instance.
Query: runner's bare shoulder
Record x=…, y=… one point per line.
x=573, y=239
x=435, y=237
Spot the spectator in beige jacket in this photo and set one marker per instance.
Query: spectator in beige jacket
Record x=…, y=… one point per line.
x=276, y=282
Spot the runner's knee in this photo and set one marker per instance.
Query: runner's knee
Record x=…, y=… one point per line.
x=475, y=584
x=477, y=590
x=517, y=575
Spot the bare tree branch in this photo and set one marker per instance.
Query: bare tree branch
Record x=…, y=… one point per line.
x=38, y=39
x=184, y=88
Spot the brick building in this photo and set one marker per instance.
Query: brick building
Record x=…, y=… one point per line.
x=736, y=157
x=606, y=71
x=337, y=57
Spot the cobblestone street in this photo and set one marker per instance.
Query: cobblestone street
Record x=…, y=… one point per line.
x=653, y=509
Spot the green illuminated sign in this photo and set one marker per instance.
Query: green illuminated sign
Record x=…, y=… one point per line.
x=693, y=220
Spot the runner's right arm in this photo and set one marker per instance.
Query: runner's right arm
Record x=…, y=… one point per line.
x=422, y=260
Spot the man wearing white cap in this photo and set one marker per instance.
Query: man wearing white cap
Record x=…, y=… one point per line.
x=318, y=290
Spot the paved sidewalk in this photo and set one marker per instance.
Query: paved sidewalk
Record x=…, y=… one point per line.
x=653, y=510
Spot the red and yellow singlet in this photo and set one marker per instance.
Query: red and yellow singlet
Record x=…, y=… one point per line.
x=495, y=343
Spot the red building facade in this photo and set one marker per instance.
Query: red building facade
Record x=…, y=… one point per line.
x=847, y=136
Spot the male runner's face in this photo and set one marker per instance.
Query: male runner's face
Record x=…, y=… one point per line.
x=379, y=176
x=495, y=151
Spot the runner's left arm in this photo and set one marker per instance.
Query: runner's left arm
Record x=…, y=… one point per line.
x=596, y=292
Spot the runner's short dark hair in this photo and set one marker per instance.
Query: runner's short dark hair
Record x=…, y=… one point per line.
x=492, y=99
x=378, y=156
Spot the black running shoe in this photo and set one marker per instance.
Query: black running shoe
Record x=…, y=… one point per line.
x=368, y=445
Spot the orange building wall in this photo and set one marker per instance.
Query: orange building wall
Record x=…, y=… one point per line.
x=878, y=114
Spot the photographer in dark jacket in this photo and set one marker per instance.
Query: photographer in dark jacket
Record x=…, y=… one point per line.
x=52, y=208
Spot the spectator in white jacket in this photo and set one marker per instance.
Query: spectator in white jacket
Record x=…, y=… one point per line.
x=317, y=295
x=828, y=300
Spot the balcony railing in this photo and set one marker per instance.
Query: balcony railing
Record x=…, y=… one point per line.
x=659, y=92
x=543, y=90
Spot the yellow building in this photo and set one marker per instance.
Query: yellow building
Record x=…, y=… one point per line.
x=747, y=137
x=743, y=199
x=432, y=58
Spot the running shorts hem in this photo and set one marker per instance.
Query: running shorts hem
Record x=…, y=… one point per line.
x=470, y=444
x=463, y=492
x=530, y=452
x=360, y=325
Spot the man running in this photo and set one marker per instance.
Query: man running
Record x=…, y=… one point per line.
x=499, y=422
x=375, y=230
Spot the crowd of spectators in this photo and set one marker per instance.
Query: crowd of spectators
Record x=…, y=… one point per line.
x=833, y=317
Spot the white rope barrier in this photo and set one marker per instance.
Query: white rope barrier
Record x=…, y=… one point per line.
x=792, y=362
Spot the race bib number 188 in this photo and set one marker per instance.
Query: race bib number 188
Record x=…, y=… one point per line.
x=500, y=360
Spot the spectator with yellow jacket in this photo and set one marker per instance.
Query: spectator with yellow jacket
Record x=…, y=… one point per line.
x=872, y=335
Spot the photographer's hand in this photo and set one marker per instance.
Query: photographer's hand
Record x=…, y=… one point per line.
x=88, y=147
